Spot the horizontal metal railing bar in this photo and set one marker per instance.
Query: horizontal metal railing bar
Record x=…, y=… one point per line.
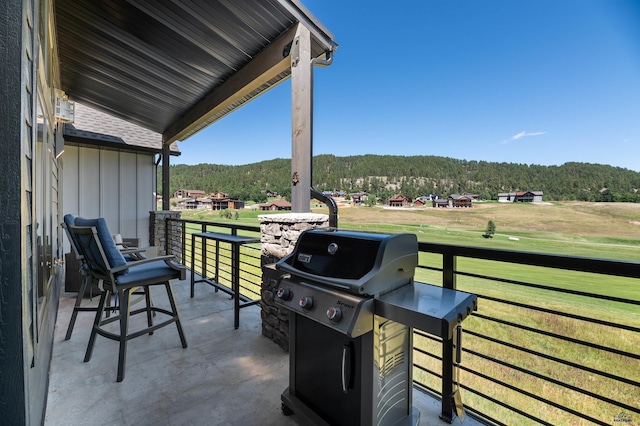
x=438, y=394
x=246, y=280
x=546, y=287
x=430, y=268
x=249, y=228
x=537, y=375
x=252, y=275
x=530, y=395
x=248, y=275
x=246, y=257
x=504, y=405
x=246, y=271
x=559, y=336
x=553, y=358
x=429, y=354
x=252, y=247
x=248, y=254
x=619, y=268
x=554, y=381
x=249, y=290
x=433, y=373
x=477, y=415
x=251, y=293
x=562, y=314
x=427, y=335
x=224, y=253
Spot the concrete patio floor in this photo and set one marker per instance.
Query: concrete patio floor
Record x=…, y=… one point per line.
x=225, y=376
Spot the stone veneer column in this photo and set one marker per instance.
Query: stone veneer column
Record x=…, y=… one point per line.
x=157, y=231
x=279, y=235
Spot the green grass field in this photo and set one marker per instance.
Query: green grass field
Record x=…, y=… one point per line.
x=601, y=230
x=597, y=230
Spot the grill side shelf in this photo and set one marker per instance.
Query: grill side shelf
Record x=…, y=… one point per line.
x=434, y=310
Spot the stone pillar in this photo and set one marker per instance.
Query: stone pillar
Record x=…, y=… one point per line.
x=279, y=235
x=157, y=232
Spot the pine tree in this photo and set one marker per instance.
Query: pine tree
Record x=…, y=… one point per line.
x=491, y=229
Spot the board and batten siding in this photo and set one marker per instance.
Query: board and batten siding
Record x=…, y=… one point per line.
x=119, y=186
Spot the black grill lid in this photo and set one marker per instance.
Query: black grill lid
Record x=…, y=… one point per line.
x=358, y=262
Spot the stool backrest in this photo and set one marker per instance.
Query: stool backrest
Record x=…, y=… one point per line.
x=97, y=245
x=69, y=220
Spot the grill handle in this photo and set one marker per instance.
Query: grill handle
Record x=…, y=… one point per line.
x=347, y=359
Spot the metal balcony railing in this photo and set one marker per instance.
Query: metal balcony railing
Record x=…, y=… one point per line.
x=555, y=340
x=179, y=240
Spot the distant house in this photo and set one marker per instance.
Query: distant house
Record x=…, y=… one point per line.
x=520, y=197
x=441, y=202
x=423, y=200
x=188, y=193
x=188, y=204
x=398, y=200
x=529, y=197
x=275, y=205
x=234, y=203
x=506, y=197
x=456, y=200
x=194, y=203
x=221, y=201
x=359, y=197
x=226, y=203
x=204, y=203
x=219, y=195
x=335, y=194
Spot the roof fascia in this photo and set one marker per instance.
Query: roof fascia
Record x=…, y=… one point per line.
x=318, y=31
x=113, y=146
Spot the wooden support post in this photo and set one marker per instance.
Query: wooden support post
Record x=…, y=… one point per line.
x=302, y=120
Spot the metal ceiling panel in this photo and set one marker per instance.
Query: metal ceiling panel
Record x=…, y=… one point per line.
x=151, y=62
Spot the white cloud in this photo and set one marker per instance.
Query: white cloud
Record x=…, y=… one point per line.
x=518, y=136
x=521, y=135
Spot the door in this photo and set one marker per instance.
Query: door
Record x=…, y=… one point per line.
x=333, y=373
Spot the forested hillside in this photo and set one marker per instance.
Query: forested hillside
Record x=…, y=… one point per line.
x=385, y=175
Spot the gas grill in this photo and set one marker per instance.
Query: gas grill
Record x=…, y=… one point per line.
x=353, y=305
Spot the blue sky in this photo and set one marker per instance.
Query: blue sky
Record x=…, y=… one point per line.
x=519, y=81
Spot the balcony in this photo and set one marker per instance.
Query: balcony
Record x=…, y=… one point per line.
x=554, y=341
x=225, y=376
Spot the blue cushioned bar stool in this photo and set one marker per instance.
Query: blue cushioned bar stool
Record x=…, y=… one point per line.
x=130, y=254
x=117, y=276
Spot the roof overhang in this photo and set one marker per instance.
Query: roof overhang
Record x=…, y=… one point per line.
x=176, y=66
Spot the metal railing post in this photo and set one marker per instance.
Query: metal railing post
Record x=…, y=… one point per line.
x=449, y=261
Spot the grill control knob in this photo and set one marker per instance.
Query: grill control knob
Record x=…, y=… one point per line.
x=306, y=302
x=283, y=293
x=334, y=314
